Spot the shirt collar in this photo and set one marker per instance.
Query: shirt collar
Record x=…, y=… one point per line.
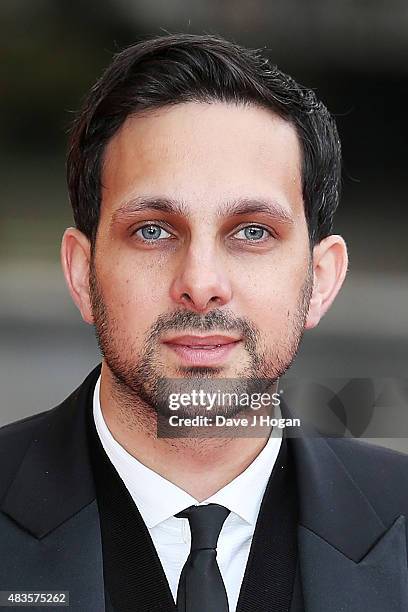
x=242, y=496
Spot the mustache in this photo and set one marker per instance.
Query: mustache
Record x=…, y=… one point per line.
x=214, y=321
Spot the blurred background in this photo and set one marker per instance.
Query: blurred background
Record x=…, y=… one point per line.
x=353, y=53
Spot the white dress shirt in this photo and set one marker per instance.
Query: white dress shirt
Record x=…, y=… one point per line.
x=158, y=500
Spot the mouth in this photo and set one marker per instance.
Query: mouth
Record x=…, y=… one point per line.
x=202, y=350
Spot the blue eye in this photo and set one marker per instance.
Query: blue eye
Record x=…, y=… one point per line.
x=151, y=232
x=253, y=232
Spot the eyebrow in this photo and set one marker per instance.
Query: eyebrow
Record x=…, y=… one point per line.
x=241, y=206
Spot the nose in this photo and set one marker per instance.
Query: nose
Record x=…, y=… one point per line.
x=200, y=282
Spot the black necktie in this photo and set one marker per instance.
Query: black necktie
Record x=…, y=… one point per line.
x=201, y=588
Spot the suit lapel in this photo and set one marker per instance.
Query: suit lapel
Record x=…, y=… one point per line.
x=332, y=581
x=54, y=538
x=270, y=573
x=297, y=604
x=54, y=480
x=349, y=559
x=67, y=559
x=49, y=526
x=135, y=577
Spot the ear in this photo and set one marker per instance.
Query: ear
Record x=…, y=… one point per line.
x=330, y=263
x=75, y=260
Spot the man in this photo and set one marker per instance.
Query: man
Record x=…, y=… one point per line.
x=203, y=183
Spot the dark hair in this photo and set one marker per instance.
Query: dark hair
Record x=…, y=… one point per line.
x=176, y=68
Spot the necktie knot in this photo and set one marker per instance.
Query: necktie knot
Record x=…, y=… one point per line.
x=205, y=524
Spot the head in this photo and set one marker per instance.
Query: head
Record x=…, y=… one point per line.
x=204, y=183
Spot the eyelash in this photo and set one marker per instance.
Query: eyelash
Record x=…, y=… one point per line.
x=247, y=240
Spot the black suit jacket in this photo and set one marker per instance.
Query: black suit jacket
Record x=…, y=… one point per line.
x=352, y=539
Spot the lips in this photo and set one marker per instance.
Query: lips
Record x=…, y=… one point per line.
x=202, y=342
x=202, y=350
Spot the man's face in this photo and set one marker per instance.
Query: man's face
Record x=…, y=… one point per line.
x=202, y=270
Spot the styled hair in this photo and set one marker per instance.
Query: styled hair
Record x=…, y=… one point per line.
x=177, y=68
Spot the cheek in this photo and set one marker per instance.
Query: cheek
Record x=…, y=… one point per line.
x=130, y=294
x=271, y=312
x=272, y=296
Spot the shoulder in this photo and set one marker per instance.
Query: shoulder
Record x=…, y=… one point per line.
x=19, y=432
x=365, y=456
x=52, y=425
x=15, y=438
x=380, y=473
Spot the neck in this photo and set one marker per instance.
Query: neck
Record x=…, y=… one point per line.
x=199, y=466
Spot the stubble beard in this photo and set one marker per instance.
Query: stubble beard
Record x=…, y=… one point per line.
x=140, y=385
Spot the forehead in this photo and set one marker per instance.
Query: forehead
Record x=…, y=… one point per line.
x=203, y=154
